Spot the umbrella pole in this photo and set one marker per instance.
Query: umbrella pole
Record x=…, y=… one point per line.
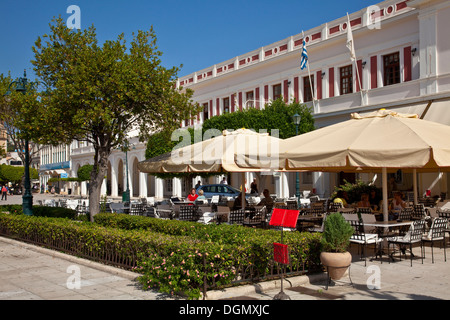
x=415, y=185
x=243, y=190
x=385, y=195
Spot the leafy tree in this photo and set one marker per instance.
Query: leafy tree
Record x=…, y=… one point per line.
x=160, y=143
x=99, y=93
x=14, y=174
x=84, y=173
x=16, y=110
x=275, y=115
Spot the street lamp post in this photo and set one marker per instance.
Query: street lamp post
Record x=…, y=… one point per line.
x=126, y=193
x=296, y=118
x=27, y=198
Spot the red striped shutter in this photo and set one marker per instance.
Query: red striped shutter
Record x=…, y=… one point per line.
x=359, y=78
x=331, y=82
x=296, y=92
x=232, y=102
x=319, y=85
x=407, y=63
x=373, y=72
x=257, y=97
x=286, y=91
x=240, y=101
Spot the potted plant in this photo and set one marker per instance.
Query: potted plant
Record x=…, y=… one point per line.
x=335, y=241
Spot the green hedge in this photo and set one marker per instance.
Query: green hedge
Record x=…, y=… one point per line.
x=172, y=256
x=43, y=211
x=243, y=248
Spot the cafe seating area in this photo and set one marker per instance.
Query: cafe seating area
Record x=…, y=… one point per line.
x=424, y=224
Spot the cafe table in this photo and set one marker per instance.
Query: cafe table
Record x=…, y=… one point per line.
x=388, y=224
x=383, y=228
x=306, y=221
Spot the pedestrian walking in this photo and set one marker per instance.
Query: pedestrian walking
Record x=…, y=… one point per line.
x=4, y=192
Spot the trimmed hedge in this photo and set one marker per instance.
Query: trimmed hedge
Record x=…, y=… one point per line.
x=172, y=256
x=42, y=211
x=244, y=249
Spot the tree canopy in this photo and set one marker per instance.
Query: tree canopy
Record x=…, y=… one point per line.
x=275, y=115
x=84, y=173
x=101, y=93
x=14, y=174
x=16, y=113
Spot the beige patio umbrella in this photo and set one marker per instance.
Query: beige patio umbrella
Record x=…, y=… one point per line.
x=220, y=152
x=380, y=141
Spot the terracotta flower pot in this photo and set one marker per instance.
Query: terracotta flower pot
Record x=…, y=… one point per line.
x=336, y=262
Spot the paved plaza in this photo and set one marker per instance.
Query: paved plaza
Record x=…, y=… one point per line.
x=28, y=272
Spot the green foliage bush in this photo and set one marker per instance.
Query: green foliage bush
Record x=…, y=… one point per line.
x=276, y=115
x=171, y=256
x=42, y=211
x=14, y=174
x=229, y=246
x=84, y=173
x=354, y=190
x=336, y=234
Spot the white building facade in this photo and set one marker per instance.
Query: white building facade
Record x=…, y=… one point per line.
x=402, y=63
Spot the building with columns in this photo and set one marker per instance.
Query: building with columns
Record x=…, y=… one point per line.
x=402, y=62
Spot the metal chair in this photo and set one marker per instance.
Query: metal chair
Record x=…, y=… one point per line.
x=292, y=204
x=363, y=239
x=446, y=215
x=364, y=210
x=188, y=213
x=436, y=233
x=406, y=214
x=317, y=228
x=63, y=203
x=413, y=236
x=236, y=216
x=136, y=209
x=255, y=218
x=81, y=209
x=334, y=206
x=419, y=212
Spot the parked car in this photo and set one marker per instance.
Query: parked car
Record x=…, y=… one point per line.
x=222, y=190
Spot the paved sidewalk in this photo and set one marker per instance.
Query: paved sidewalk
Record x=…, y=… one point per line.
x=397, y=281
x=28, y=272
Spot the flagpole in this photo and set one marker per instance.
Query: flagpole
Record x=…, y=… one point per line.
x=359, y=79
x=309, y=73
x=353, y=55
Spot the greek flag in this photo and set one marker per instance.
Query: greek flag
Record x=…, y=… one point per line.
x=304, y=56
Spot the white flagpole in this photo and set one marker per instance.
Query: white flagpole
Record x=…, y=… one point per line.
x=309, y=73
x=352, y=53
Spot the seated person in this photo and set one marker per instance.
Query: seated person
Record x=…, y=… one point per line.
x=266, y=201
x=341, y=197
x=364, y=203
x=374, y=200
x=396, y=205
x=193, y=195
x=201, y=197
x=238, y=202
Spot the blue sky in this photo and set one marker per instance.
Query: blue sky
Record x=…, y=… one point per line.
x=194, y=33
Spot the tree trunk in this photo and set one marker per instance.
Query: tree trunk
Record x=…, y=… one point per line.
x=97, y=177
